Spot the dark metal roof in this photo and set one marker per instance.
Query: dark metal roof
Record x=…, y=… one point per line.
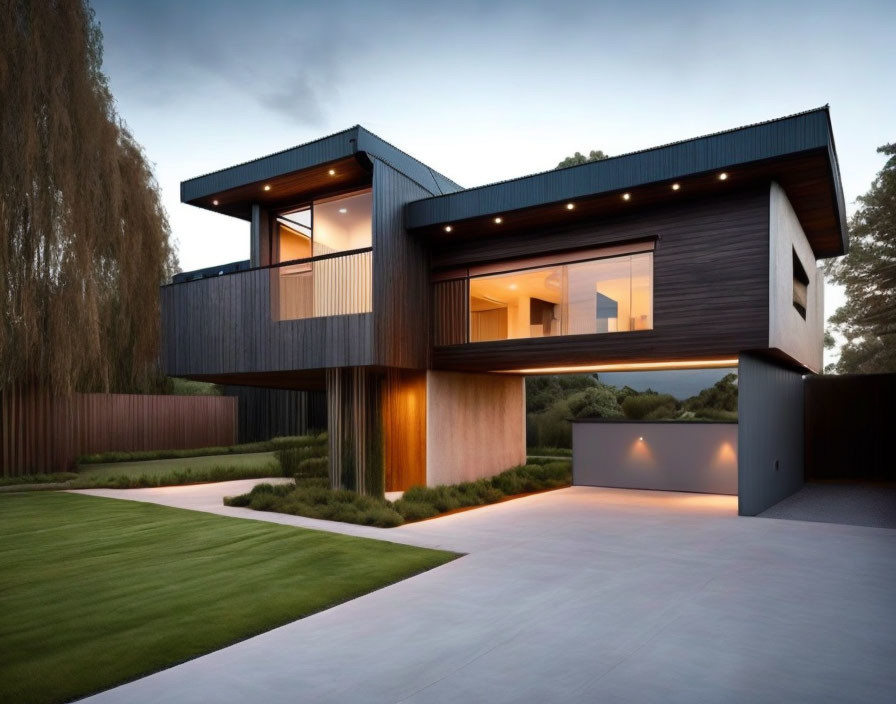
x=355, y=140
x=802, y=132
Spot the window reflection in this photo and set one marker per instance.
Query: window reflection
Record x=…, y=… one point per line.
x=598, y=296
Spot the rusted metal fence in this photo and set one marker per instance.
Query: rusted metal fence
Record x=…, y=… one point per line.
x=41, y=432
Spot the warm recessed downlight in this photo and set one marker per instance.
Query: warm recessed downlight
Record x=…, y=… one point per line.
x=267, y=187
x=343, y=210
x=448, y=228
x=332, y=172
x=723, y=176
x=498, y=221
x=570, y=206
x=214, y=202
x=626, y=196
x=676, y=186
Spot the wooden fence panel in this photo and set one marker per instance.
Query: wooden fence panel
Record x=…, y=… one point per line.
x=40, y=432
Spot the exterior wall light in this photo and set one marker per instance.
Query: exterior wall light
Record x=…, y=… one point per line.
x=267, y=188
x=448, y=228
x=626, y=196
x=675, y=186
x=641, y=439
x=723, y=176
x=498, y=221
x=570, y=206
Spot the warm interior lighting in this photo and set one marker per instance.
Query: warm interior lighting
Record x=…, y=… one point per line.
x=498, y=221
x=214, y=202
x=626, y=196
x=626, y=367
x=513, y=287
x=675, y=186
x=267, y=188
x=332, y=172
x=343, y=211
x=723, y=176
x=448, y=228
x=570, y=206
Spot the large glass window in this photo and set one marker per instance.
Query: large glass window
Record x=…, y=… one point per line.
x=598, y=296
x=338, y=285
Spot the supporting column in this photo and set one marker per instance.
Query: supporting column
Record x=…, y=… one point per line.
x=355, y=433
x=770, y=442
x=475, y=425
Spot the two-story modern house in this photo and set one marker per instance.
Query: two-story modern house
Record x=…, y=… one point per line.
x=419, y=306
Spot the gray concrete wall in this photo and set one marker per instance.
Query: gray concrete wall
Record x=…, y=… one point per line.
x=770, y=433
x=788, y=331
x=665, y=456
x=475, y=425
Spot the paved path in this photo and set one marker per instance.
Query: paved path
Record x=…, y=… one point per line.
x=578, y=595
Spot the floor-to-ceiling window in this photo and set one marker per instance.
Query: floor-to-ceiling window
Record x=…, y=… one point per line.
x=313, y=276
x=600, y=295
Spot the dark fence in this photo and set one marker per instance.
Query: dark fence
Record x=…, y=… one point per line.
x=41, y=432
x=848, y=423
x=266, y=413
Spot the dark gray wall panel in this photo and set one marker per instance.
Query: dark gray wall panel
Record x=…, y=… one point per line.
x=770, y=433
x=664, y=456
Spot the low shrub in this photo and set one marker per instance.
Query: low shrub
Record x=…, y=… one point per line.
x=303, y=461
x=312, y=498
x=274, y=444
x=221, y=473
x=716, y=414
x=22, y=479
x=643, y=405
x=549, y=451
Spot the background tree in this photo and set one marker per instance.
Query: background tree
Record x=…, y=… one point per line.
x=579, y=158
x=84, y=236
x=868, y=271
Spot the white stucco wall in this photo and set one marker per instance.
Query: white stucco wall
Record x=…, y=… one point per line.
x=788, y=331
x=475, y=425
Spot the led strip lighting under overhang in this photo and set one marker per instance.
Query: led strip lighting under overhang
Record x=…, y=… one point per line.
x=626, y=367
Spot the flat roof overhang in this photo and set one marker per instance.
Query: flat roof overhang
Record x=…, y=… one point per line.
x=338, y=162
x=796, y=151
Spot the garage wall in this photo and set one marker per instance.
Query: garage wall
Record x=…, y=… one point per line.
x=770, y=433
x=663, y=455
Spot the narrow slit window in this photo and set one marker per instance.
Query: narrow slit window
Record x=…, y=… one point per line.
x=800, y=286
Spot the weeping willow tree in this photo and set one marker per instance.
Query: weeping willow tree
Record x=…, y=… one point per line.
x=85, y=238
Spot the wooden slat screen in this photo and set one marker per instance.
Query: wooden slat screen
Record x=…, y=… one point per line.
x=41, y=432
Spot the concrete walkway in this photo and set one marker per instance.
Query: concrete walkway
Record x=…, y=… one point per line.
x=578, y=595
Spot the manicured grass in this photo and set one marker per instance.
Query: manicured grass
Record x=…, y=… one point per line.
x=95, y=592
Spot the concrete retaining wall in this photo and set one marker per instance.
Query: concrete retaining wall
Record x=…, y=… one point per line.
x=667, y=456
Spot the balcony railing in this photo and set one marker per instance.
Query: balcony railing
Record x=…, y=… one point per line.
x=330, y=284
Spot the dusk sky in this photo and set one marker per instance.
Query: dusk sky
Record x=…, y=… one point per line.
x=484, y=91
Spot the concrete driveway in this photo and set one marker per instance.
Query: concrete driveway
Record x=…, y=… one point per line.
x=578, y=595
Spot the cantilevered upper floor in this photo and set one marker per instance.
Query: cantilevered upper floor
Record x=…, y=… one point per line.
x=363, y=256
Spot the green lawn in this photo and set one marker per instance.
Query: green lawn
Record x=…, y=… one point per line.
x=150, y=468
x=95, y=592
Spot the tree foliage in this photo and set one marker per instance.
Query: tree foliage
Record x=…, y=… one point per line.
x=868, y=271
x=579, y=158
x=84, y=235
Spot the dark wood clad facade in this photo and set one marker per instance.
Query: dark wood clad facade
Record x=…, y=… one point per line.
x=710, y=287
x=400, y=274
x=223, y=326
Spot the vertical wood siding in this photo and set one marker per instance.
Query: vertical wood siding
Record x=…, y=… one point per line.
x=450, y=311
x=42, y=432
x=266, y=413
x=354, y=430
x=404, y=429
x=401, y=291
